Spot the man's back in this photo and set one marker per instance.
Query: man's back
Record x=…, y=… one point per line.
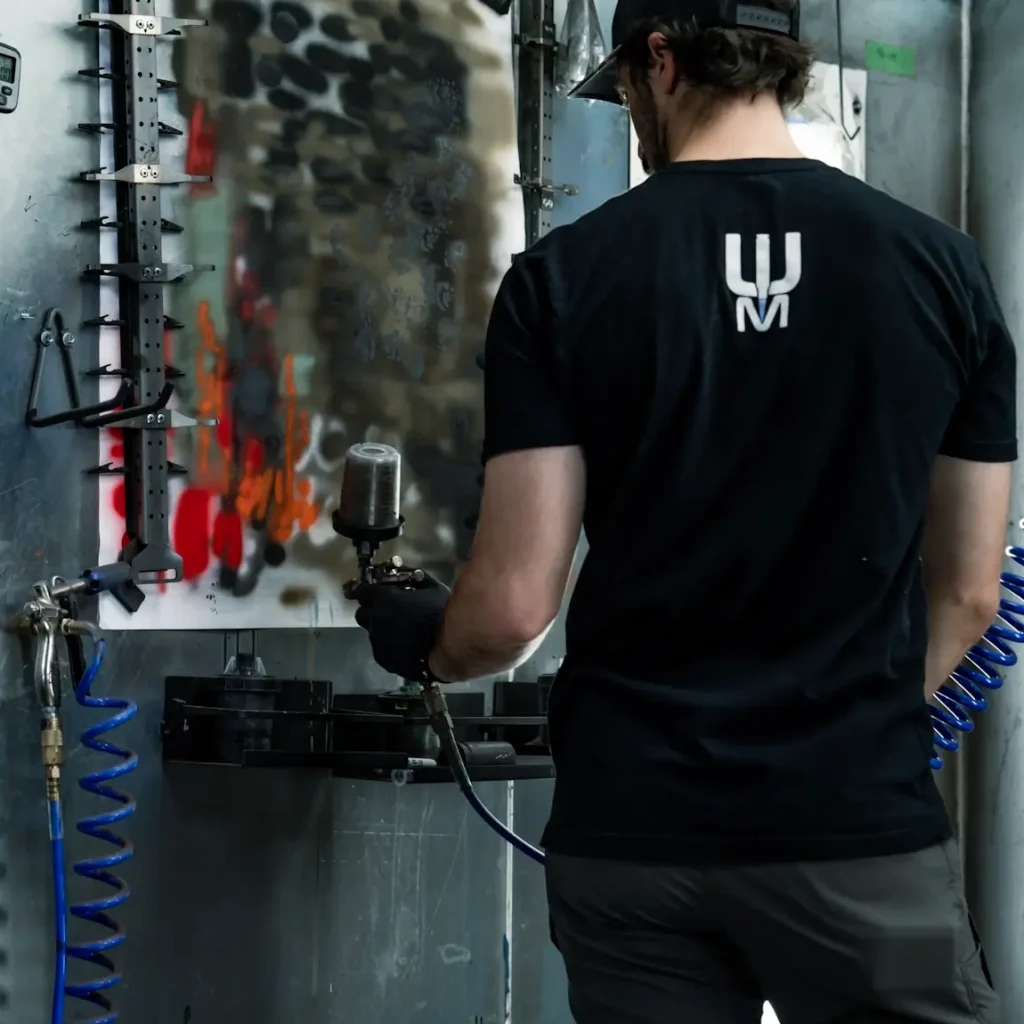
x=760, y=406
x=783, y=408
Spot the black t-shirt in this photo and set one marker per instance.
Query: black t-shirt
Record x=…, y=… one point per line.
x=760, y=360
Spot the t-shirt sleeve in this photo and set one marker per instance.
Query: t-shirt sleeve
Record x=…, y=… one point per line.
x=984, y=423
x=525, y=405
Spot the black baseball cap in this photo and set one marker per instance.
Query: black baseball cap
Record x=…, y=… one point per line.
x=603, y=84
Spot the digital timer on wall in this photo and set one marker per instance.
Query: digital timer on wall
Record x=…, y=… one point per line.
x=10, y=77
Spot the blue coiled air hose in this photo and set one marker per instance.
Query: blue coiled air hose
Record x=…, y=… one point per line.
x=979, y=673
x=96, y=953
x=60, y=907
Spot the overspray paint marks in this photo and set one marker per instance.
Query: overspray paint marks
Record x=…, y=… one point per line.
x=191, y=538
x=119, y=499
x=303, y=364
x=117, y=495
x=211, y=463
x=414, y=362
x=201, y=153
x=227, y=539
x=394, y=128
x=276, y=495
x=892, y=60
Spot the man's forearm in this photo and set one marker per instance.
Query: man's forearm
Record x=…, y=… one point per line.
x=953, y=628
x=481, y=634
x=456, y=662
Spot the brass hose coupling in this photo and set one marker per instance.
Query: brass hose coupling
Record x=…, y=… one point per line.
x=51, y=740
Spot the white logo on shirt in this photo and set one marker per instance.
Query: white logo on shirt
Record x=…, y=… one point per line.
x=763, y=313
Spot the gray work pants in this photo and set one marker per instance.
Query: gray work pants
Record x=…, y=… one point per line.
x=885, y=940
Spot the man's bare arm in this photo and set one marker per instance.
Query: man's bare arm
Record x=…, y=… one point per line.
x=511, y=589
x=965, y=536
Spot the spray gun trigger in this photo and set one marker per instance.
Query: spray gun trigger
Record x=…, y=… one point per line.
x=390, y=573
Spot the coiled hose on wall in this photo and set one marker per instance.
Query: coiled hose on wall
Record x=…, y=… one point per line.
x=979, y=673
x=96, y=953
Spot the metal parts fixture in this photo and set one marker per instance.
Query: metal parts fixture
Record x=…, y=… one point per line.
x=141, y=405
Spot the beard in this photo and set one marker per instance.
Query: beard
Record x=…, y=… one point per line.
x=653, y=136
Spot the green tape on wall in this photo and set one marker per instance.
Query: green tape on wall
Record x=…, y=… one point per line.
x=893, y=60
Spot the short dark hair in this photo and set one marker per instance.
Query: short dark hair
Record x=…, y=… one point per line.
x=728, y=62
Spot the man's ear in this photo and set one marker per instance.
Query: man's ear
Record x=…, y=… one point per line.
x=663, y=62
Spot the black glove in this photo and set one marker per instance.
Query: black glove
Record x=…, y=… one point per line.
x=403, y=622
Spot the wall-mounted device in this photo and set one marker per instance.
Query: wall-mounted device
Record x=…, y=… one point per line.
x=10, y=78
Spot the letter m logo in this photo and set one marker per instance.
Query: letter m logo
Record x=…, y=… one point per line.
x=763, y=300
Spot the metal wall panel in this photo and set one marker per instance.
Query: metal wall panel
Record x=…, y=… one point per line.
x=268, y=897
x=913, y=145
x=277, y=897
x=40, y=492
x=995, y=804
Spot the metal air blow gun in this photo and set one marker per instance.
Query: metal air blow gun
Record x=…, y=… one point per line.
x=50, y=615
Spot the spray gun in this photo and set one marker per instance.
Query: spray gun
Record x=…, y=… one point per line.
x=368, y=515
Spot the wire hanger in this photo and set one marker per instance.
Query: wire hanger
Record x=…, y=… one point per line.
x=842, y=76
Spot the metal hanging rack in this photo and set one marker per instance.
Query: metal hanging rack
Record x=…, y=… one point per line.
x=142, y=405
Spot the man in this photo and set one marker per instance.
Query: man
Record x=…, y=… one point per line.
x=782, y=405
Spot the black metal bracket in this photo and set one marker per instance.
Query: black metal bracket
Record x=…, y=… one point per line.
x=150, y=273
x=109, y=469
x=141, y=273
x=146, y=173
x=537, y=49
x=124, y=416
x=109, y=76
x=545, y=188
x=140, y=22
x=98, y=127
x=99, y=224
x=55, y=332
x=252, y=721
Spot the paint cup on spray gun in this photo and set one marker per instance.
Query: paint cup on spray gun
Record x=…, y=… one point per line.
x=367, y=512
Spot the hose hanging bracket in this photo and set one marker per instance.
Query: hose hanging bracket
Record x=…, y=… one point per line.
x=55, y=332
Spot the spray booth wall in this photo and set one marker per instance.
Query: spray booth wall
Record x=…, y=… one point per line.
x=995, y=794
x=269, y=897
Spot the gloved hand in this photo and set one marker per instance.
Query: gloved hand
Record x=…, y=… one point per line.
x=403, y=622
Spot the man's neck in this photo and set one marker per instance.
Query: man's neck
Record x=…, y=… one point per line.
x=739, y=130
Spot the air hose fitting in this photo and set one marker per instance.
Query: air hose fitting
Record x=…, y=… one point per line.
x=442, y=724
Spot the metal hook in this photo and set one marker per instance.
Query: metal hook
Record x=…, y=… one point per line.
x=110, y=418
x=842, y=76
x=54, y=332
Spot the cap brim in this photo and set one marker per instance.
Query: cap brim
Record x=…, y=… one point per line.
x=602, y=84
